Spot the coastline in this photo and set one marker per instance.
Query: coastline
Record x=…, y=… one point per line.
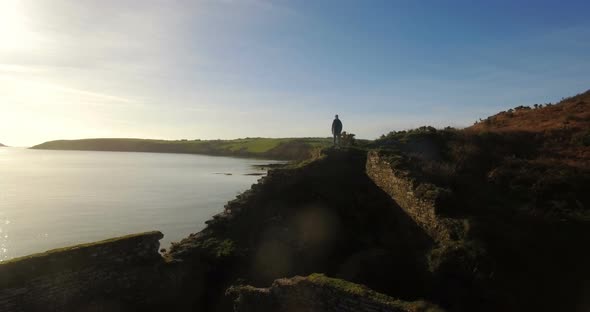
x=257, y=148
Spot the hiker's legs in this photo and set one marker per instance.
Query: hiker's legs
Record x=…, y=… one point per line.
x=337, y=140
x=335, y=135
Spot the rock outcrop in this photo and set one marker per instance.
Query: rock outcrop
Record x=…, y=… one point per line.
x=112, y=275
x=316, y=293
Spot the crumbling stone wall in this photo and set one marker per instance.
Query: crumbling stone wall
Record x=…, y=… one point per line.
x=317, y=293
x=403, y=189
x=459, y=265
x=110, y=275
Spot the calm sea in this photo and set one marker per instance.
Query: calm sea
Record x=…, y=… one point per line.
x=51, y=199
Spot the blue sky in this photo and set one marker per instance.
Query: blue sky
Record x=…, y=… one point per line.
x=228, y=69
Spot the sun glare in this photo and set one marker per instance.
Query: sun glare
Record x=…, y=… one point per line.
x=14, y=31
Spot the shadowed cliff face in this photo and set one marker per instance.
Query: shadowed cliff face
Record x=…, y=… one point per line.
x=327, y=216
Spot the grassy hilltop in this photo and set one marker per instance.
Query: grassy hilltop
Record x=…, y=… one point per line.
x=272, y=148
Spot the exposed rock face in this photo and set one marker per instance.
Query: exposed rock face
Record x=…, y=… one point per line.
x=318, y=293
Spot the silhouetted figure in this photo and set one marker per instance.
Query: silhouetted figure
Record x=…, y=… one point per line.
x=336, y=130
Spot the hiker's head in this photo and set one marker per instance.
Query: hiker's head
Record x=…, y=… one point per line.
x=336, y=116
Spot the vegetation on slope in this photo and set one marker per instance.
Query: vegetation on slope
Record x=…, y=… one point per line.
x=344, y=286
x=318, y=292
x=545, y=167
x=571, y=112
x=271, y=148
x=561, y=131
x=521, y=179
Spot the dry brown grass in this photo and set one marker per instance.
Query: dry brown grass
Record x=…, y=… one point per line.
x=562, y=131
x=570, y=113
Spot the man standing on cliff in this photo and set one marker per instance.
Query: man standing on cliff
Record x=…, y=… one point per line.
x=336, y=130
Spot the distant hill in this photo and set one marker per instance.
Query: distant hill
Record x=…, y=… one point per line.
x=2, y=145
x=281, y=148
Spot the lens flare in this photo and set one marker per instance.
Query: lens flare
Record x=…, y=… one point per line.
x=15, y=33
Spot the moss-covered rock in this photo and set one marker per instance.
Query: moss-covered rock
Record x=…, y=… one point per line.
x=318, y=292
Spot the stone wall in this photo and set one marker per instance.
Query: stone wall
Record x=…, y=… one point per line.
x=422, y=208
x=110, y=275
x=316, y=293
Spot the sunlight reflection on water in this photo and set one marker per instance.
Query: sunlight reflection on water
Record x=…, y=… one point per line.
x=3, y=238
x=53, y=199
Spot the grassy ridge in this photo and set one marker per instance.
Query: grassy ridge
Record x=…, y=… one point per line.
x=272, y=148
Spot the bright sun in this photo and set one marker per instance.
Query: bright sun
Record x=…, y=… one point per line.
x=15, y=34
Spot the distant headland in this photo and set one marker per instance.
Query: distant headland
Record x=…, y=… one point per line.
x=270, y=148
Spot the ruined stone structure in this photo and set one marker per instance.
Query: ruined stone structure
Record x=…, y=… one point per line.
x=403, y=189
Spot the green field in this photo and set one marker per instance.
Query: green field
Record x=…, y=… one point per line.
x=271, y=148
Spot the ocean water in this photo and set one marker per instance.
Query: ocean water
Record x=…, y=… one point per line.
x=51, y=199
